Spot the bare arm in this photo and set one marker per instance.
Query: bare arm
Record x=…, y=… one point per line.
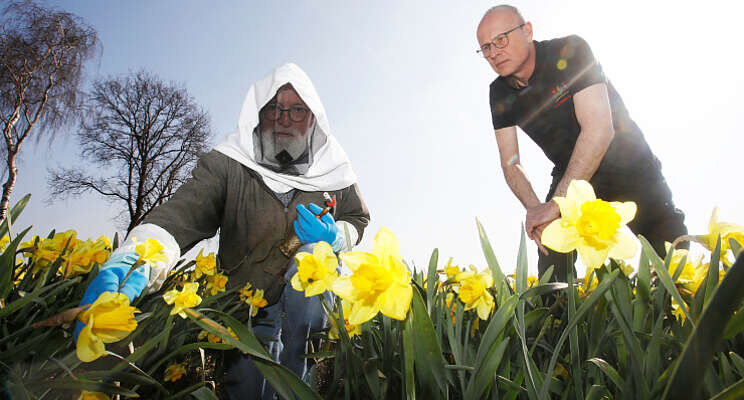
x=520, y=185
x=593, y=112
x=514, y=174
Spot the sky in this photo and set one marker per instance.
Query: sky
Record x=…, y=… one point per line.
x=407, y=97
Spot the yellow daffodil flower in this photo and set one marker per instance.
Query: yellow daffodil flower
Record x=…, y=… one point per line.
x=49, y=250
x=4, y=243
x=451, y=270
x=105, y=242
x=473, y=291
x=380, y=282
x=150, y=251
x=86, y=395
x=689, y=269
x=253, y=298
x=184, y=298
x=594, y=227
x=82, y=258
x=726, y=231
x=209, y=336
x=205, y=265
x=352, y=330
x=216, y=283
x=109, y=319
x=174, y=372
x=316, y=272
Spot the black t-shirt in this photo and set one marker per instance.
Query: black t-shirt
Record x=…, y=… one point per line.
x=545, y=111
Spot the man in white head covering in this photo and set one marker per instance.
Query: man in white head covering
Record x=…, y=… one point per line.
x=260, y=187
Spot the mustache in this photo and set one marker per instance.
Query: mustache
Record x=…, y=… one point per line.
x=291, y=130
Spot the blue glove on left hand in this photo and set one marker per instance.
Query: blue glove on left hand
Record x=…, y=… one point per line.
x=310, y=229
x=108, y=279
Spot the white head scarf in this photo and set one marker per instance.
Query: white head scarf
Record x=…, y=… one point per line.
x=331, y=168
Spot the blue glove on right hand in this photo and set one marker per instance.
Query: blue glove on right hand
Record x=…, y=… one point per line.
x=310, y=229
x=108, y=279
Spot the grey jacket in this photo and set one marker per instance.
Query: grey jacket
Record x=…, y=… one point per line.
x=223, y=194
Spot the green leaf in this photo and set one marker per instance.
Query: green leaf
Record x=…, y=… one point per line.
x=432, y=280
x=520, y=283
x=497, y=324
x=203, y=393
x=596, y=392
x=284, y=381
x=408, y=358
x=662, y=272
x=735, y=325
x=738, y=362
x=7, y=265
x=686, y=379
x=14, y=213
x=733, y=392
x=583, y=309
x=498, y=276
x=484, y=374
x=429, y=360
x=609, y=371
x=540, y=290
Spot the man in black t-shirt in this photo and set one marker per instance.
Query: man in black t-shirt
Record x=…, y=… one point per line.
x=556, y=92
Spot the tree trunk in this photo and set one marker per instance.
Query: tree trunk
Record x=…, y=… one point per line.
x=9, y=184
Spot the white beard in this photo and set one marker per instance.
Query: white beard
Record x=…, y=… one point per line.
x=295, y=146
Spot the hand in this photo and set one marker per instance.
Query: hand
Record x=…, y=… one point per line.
x=310, y=229
x=109, y=278
x=538, y=218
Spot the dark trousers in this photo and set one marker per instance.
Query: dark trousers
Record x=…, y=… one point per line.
x=289, y=322
x=657, y=219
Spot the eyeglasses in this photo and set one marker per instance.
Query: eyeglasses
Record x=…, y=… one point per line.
x=500, y=41
x=273, y=112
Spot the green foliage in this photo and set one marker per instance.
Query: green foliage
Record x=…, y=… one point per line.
x=614, y=336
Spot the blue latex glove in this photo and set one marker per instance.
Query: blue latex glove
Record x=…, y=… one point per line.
x=108, y=279
x=310, y=229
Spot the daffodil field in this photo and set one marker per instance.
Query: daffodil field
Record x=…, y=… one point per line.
x=654, y=328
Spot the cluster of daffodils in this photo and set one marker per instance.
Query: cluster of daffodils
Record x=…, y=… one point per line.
x=380, y=282
x=472, y=289
x=78, y=256
x=253, y=297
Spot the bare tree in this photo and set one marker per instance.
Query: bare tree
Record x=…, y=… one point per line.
x=42, y=53
x=148, y=134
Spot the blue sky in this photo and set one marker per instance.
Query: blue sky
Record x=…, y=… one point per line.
x=407, y=97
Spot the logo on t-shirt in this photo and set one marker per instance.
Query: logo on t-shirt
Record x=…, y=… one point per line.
x=560, y=94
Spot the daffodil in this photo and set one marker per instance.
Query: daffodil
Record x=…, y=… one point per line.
x=379, y=282
x=47, y=251
x=316, y=272
x=253, y=298
x=473, y=291
x=209, y=336
x=594, y=227
x=689, y=269
x=174, y=372
x=4, y=243
x=184, y=298
x=109, y=319
x=726, y=231
x=451, y=270
x=82, y=258
x=216, y=283
x=86, y=395
x=205, y=265
x=352, y=330
x=150, y=251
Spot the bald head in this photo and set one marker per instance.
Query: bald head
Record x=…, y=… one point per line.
x=504, y=11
